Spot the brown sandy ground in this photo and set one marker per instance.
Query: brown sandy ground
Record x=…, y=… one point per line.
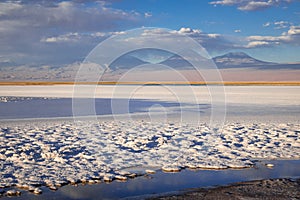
x=275, y=189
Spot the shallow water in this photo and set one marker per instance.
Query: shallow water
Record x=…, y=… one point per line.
x=247, y=103
x=162, y=183
x=62, y=107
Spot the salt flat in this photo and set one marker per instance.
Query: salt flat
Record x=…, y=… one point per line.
x=242, y=103
x=266, y=95
x=56, y=152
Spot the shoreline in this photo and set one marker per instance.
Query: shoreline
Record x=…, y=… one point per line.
x=260, y=182
x=202, y=83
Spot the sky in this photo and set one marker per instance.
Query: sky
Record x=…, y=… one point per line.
x=58, y=33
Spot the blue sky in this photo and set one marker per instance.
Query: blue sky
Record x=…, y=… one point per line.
x=211, y=18
x=57, y=33
x=227, y=19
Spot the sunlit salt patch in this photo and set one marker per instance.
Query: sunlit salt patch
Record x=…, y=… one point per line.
x=54, y=154
x=170, y=168
x=5, y=99
x=13, y=193
x=270, y=165
x=150, y=171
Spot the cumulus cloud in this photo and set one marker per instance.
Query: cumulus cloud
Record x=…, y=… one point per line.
x=278, y=24
x=253, y=44
x=188, y=31
x=74, y=37
x=294, y=31
x=250, y=5
x=292, y=36
x=64, y=15
x=210, y=41
x=281, y=24
x=36, y=27
x=69, y=37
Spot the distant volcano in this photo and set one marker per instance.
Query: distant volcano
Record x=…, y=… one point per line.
x=238, y=59
x=243, y=60
x=232, y=60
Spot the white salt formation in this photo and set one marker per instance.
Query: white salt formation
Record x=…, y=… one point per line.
x=54, y=154
x=4, y=99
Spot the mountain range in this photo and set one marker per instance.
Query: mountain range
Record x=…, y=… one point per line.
x=226, y=61
x=243, y=60
x=243, y=67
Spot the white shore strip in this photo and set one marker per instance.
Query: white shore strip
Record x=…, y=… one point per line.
x=261, y=95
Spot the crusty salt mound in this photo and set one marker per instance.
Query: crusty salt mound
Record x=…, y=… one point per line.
x=58, y=153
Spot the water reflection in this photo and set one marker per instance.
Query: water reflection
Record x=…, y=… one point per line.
x=62, y=107
x=171, y=182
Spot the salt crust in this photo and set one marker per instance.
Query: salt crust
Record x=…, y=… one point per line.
x=54, y=154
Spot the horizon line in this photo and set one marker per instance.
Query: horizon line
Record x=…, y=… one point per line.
x=23, y=83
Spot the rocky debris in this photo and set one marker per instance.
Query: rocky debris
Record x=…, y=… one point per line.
x=277, y=189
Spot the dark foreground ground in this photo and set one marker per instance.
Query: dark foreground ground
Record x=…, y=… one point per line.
x=277, y=189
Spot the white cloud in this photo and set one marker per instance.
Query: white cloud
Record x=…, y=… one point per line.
x=268, y=38
x=147, y=14
x=255, y=5
x=281, y=24
x=118, y=33
x=188, y=31
x=278, y=24
x=28, y=27
x=237, y=31
x=185, y=30
x=210, y=41
x=98, y=34
x=213, y=35
x=294, y=30
x=292, y=36
x=251, y=5
x=254, y=44
x=69, y=37
x=67, y=16
x=79, y=37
